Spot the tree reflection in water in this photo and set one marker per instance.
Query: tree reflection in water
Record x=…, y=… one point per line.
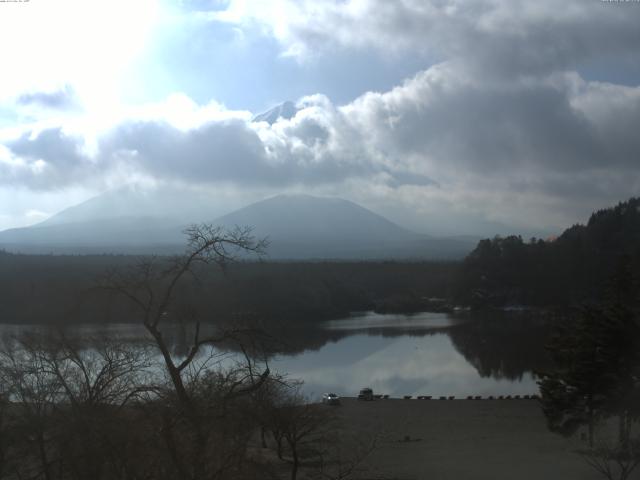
x=499, y=345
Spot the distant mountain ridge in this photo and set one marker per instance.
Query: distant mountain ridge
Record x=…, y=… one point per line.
x=303, y=226
x=171, y=204
x=331, y=218
x=298, y=227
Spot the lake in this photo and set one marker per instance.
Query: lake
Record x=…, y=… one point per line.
x=399, y=355
x=437, y=354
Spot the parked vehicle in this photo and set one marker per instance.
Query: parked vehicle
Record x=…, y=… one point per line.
x=365, y=394
x=331, y=399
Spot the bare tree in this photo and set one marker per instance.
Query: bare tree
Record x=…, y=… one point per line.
x=311, y=438
x=151, y=286
x=94, y=371
x=614, y=462
x=296, y=425
x=75, y=399
x=33, y=393
x=342, y=455
x=196, y=435
x=99, y=378
x=5, y=434
x=67, y=417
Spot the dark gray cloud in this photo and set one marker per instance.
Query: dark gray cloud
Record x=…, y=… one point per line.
x=481, y=127
x=557, y=144
x=48, y=160
x=215, y=151
x=514, y=37
x=62, y=99
x=227, y=151
x=52, y=146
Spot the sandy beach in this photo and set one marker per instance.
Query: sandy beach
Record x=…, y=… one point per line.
x=463, y=439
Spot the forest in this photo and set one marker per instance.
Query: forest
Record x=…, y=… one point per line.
x=60, y=289
x=503, y=271
x=566, y=271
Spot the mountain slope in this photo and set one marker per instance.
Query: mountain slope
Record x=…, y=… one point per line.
x=108, y=235
x=298, y=227
x=305, y=216
x=172, y=204
x=303, y=226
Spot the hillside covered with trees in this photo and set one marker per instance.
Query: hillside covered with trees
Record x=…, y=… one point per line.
x=571, y=269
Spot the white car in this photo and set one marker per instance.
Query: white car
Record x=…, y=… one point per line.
x=331, y=399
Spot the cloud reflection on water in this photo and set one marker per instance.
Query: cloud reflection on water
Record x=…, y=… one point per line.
x=398, y=365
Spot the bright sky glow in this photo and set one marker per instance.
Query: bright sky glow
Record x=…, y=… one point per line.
x=448, y=117
x=85, y=44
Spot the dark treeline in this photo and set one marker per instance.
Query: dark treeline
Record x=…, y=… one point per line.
x=570, y=270
x=59, y=289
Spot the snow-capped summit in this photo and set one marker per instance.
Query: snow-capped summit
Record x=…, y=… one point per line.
x=285, y=110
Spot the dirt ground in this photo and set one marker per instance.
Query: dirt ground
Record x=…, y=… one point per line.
x=463, y=439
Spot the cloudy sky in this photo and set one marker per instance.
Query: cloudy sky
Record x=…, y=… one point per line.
x=448, y=116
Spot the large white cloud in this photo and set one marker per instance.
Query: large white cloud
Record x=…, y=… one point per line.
x=503, y=127
x=194, y=145
x=449, y=136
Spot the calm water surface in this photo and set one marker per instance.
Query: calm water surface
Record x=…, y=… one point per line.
x=424, y=354
x=396, y=355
